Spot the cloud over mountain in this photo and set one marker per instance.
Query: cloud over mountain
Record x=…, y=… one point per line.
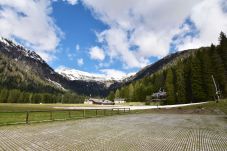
x=139, y=30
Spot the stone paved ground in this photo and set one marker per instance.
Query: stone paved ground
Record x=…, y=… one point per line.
x=142, y=132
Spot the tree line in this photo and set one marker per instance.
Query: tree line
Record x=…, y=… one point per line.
x=18, y=84
x=186, y=80
x=18, y=96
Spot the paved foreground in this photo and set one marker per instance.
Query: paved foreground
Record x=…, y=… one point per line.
x=150, y=132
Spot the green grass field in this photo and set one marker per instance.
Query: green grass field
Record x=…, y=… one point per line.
x=31, y=107
x=17, y=113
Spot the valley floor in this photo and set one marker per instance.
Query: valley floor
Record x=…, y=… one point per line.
x=134, y=132
x=136, y=107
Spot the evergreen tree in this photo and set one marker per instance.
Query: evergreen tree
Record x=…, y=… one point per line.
x=37, y=98
x=13, y=96
x=117, y=94
x=169, y=86
x=188, y=79
x=180, y=84
x=131, y=93
x=139, y=91
x=206, y=74
x=223, y=53
x=222, y=39
x=159, y=80
x=198, y=92
x=218, y=70
x=4, y=96
x=111, y=96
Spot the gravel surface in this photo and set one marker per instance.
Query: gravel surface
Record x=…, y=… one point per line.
x=139, y=132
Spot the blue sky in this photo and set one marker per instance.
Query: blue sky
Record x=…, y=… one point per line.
x=79, y=28
x=114, y=36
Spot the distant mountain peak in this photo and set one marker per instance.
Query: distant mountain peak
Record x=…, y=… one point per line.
x=73, y=74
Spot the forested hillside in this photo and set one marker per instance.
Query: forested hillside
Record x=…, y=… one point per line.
x=186, y=79
x=20, y=84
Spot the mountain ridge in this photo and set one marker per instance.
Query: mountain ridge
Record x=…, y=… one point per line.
x=73, y=74
x=90, y=85
x=33, y=63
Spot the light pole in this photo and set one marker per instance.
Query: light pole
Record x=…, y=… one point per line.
x=216, y=89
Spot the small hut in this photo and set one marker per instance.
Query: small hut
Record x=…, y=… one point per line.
x=157, y=96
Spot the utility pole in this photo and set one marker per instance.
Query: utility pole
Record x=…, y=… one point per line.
x=216, y=89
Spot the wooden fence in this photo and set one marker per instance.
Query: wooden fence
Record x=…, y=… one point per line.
x=27, y=117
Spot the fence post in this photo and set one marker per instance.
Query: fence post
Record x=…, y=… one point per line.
x=69, y=115
x=124, y=110
x=51, y=116
x=84, y=113
x=27, y=116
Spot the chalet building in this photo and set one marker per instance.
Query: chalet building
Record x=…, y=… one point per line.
x=119, y=101
x=157, y=97
x=98, y=101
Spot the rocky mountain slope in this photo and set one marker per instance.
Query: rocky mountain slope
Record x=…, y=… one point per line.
x=34, y=72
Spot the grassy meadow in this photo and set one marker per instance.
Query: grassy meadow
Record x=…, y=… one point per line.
x=17, y=113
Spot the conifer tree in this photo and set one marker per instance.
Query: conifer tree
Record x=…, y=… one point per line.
x=198, y=92
x=111, y=96
x=218, y=70
x=207, y=73
x=13, y=96
x=131, y=92
x=117, y=94
x=180, y=84
x=169, y=86
x=4, y=96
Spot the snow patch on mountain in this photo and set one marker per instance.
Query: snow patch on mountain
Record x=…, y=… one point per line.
x=73, y=74
x=28, y=53
x=57, y=84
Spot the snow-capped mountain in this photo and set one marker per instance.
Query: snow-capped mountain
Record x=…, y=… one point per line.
x=13, y=46
x=34, y=73
x=73, y=74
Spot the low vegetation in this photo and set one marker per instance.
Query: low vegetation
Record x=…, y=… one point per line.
x=29, y=113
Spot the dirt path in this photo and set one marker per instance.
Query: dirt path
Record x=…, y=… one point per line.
x=142, y=107
x=143, y=132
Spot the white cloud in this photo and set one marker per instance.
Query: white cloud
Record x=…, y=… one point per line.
x=30, y=22
x=72, y=2
x=209, y=19
x=97, y=53
x=80, y=61
x=117, y=74
x=141, y=29
x=77, y=47
x=118, y=48
x=70, y=56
